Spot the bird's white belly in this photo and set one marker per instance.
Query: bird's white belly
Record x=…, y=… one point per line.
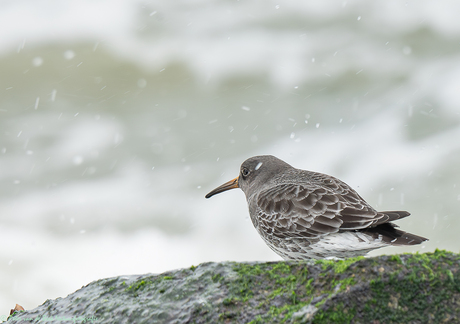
x=337, y=245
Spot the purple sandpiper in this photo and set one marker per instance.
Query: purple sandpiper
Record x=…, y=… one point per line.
x=308, y=215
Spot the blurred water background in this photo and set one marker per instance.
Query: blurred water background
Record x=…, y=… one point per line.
x=117, y=117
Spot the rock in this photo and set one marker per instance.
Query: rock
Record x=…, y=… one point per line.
x=408, y=288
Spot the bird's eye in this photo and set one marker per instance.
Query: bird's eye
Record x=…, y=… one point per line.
x=245, y=172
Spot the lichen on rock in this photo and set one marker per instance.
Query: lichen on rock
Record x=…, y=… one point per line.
x=408, y=288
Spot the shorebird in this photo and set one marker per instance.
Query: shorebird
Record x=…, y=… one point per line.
x=309, y=215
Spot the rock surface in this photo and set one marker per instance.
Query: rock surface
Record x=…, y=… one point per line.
x=409, y=288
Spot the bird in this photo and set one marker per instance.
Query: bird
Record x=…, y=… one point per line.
x=305, y=215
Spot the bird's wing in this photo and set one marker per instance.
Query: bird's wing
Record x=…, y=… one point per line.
x=357, y=214
x=292, y=210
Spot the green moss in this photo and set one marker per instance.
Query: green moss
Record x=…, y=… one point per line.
x=426, y=293
x=283, y=283
x=309, y=287
x=338, y=315
x=429, y=257
x=292, y=284
x=408, y=300
x=341, y=285
x=140, y=285
x=230, y=301
x=282, y=314
x=244, y=269
x=257, y=320
x=339, y=266
x=396, y=258
x=217, y=277
x=240, y=289
x=438, y=254
x=276, y=292
x=137, y=285
x=280, y=267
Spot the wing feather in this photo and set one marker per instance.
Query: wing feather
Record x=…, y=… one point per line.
x=293, y=210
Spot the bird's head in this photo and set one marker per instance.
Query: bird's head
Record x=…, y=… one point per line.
x=254, y=173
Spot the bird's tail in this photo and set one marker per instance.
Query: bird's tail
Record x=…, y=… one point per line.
x=389, y=234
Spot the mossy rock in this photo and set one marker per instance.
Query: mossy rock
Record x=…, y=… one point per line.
x=408, y=288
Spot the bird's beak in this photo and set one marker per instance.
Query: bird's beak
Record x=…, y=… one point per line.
x=232, y=184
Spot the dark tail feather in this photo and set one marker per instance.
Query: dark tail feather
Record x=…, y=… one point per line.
x=395, y=215
x=393, y=236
